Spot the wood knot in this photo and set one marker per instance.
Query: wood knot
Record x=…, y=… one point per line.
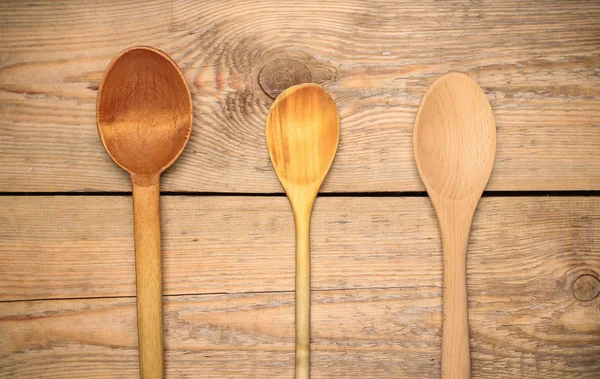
x=279, y=74
x=586, y=287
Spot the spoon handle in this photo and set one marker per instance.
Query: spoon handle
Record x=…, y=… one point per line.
x=302, y=220
x=456, y=356
x=148, y=279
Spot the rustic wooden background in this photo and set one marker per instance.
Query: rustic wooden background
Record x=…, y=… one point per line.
x=67, y=305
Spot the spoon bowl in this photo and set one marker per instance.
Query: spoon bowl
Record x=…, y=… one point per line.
x=302, y=136
x=144, y=111
x=455, y=138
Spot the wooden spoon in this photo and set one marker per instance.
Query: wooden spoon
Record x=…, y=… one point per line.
x=455, y=143
x=144, y=115
x=302, y=135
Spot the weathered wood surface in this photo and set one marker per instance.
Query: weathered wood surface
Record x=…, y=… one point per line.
x=377, y=274
x=537, y=61
x=370, y=333
x=73, y=247
x=67, y=306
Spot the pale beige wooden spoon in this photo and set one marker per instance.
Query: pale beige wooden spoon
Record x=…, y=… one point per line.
x=302, y=136
x=144, y=116
x=455, y=144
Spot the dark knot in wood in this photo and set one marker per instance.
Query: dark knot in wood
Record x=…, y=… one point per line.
x=279, y=74
x=586, y=287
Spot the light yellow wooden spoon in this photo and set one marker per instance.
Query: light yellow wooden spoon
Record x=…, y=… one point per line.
x=455, y=144
x=302, y=137
x=144, y=116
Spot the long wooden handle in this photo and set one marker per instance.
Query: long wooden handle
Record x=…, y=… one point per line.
x=148, y=279
x=456, y=356
x=302, y=220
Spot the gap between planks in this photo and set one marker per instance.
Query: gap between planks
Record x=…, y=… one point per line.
x=568, y=193
x=174, y=295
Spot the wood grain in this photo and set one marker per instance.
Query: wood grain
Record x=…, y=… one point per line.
x=536, y=61
x=377, y=333
x=280, y=74
x=455, y=146
x=67, y=306
x=303, y=132
x=148, y=279
x=144, y=115
x=144, y=112
x=377, y=296
x=69, y=247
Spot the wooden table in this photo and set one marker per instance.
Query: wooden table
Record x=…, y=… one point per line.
x=67, y=289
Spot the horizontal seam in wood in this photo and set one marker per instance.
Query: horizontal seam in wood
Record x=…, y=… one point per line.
x=215, y=294
x=568, y=193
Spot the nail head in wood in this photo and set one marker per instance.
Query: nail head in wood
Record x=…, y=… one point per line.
x=586, y=287
x=280, y=74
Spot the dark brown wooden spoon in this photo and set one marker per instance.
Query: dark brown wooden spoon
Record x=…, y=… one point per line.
x=144, y=116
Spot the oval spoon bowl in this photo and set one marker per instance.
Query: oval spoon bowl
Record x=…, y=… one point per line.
x=455, y=138
x=144, y=111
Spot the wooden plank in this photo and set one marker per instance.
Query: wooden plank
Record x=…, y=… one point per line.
x=71, y=247
x=536, y=60
x=386, y=333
